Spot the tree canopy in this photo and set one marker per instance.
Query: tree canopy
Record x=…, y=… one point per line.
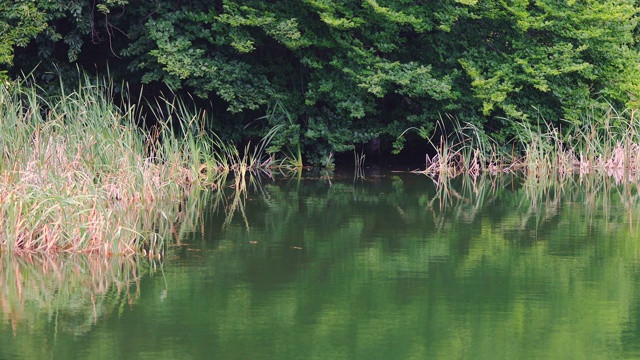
x=344, y=72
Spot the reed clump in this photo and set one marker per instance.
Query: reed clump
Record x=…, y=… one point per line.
x=608, y=146
x=464, y=150
x=78, y=175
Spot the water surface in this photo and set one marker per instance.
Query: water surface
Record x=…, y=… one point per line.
x=391, y=267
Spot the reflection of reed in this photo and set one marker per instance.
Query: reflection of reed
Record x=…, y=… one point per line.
x=74, y=291
x=358, y=173
x=471, y=190
x=234, y=201
x=537, y=199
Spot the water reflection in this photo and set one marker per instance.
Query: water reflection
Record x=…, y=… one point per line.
x=395, y=267
x=46, y=300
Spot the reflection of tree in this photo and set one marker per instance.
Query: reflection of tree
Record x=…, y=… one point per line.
x=524, y=210
x=405, y=268
x=393, y=269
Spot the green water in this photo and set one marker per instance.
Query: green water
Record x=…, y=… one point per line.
x=391, y=267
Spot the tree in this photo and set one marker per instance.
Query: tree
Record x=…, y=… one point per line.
x=20, y=21
x=346, y=72
x=53, y=32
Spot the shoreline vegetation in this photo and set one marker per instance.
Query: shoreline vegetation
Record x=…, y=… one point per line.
x=609, y=146
x=78, y=175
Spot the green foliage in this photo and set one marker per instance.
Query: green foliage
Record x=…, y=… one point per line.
x=52, y=26
x=550, y=58
x=348, y=72
x=19, y=22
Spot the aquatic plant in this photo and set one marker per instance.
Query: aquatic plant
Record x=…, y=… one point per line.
x=78, y=175
x=609, y=146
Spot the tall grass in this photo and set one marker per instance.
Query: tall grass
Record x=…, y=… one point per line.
x=286, y=134
x=77, y=174
x=358, y=165
x=465, y=149
x=609, y=146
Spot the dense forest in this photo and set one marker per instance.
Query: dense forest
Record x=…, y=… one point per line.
x=334, y=75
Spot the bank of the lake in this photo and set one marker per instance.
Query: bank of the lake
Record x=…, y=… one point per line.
x=79, y=174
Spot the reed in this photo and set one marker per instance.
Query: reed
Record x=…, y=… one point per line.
x=77, y=174
x=464, y=149
x=284, y=138
x=609, y=145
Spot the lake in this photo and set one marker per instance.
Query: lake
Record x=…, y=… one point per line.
x=387, y=267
